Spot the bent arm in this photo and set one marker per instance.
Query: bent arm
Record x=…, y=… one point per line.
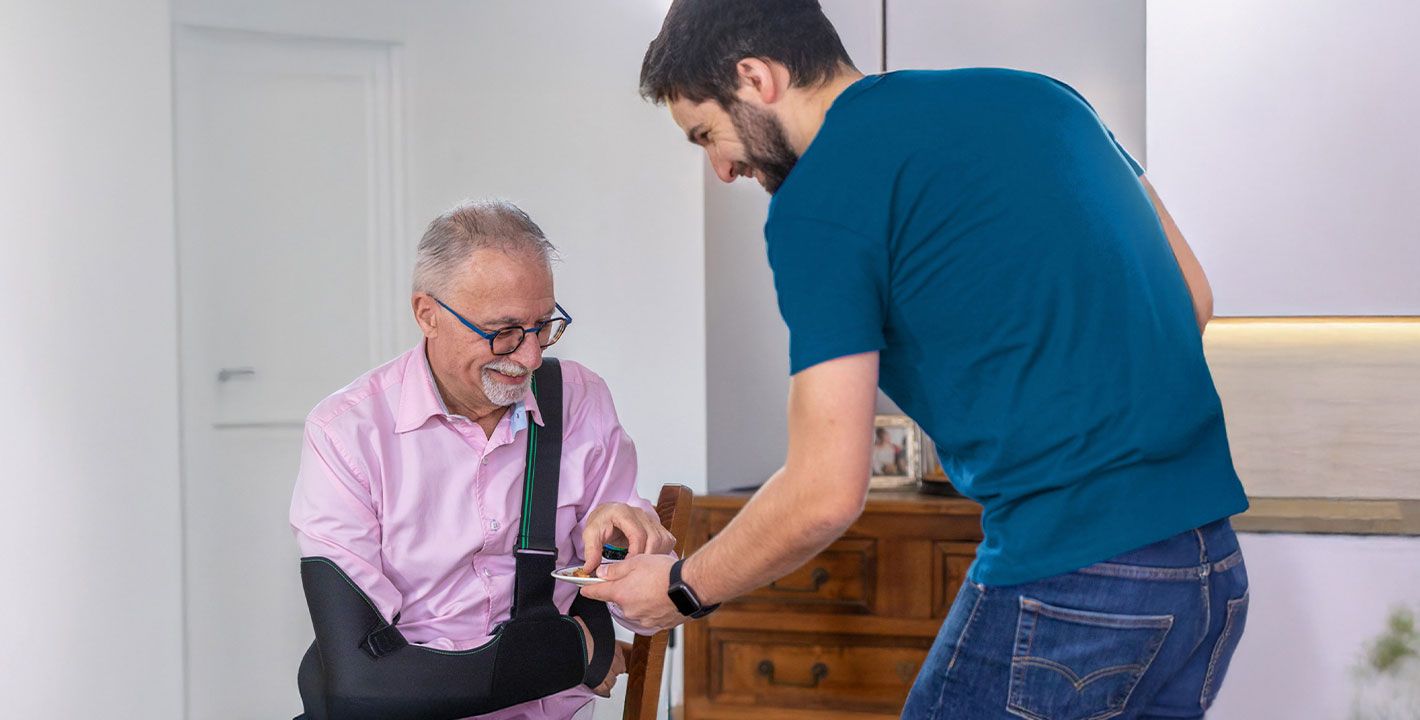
x=361, y=667
x=810, y=501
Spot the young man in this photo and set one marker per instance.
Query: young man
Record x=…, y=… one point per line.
x=975, y=243
x=426, y=518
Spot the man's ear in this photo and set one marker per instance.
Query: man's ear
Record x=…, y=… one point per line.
x=761, y=81
x=426, y=312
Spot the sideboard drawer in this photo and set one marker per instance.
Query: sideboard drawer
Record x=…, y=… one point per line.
x=843, y=636
x=841, y=579
x=794, y=670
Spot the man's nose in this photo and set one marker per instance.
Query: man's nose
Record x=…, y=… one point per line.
x=529, y=354
x=724, y=169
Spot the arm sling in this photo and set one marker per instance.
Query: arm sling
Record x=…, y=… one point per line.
x=360, y=666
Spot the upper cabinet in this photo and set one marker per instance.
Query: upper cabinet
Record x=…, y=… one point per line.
x=1283, y=137
x=1096, y=46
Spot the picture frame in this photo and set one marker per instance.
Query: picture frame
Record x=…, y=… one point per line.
x=935, y=480
x=931, y=462
x=895, y=460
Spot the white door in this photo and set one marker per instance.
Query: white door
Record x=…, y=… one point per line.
x=291, y=281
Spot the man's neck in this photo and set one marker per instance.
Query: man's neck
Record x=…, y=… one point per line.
x=488, y=420
x=806, y=117
x=484, y=414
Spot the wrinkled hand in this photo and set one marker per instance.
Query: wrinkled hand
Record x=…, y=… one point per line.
x=618, y=666
x=638, y=586
x=618, y=659
x=624, y=526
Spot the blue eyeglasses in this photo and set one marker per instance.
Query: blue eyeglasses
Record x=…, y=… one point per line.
x=506, y=341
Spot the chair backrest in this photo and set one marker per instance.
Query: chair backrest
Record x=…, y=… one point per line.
x=648, y=654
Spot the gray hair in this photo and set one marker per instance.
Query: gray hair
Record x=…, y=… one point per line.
x=469, y=226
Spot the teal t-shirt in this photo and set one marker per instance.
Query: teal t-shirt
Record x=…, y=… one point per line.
x=982, y=229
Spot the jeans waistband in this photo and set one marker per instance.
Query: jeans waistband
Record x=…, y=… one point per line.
x=1189, y=555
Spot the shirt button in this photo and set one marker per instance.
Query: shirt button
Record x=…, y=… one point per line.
x=485, y=461
x=486, y=573
x=493, y=525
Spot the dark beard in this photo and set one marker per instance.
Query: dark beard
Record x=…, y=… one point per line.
x=767, y=147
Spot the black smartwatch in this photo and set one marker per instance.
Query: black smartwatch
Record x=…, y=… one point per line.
x=685, y=599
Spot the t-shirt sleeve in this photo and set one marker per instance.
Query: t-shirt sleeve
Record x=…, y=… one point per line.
x=1133, y=164
x=832, y=286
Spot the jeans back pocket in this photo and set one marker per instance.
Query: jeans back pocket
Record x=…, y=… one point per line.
x=1079, y=665
x=1223, y=650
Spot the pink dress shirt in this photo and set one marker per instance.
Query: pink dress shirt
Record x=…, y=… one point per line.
x=421, y=508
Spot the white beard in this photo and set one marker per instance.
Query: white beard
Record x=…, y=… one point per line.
x=500, y=393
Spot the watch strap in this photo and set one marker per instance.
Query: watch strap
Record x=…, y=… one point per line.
x=678, y=587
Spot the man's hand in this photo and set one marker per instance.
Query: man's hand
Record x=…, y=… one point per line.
x=618, y=666
x=624, y=526
x=618, y=659
x=638, y=586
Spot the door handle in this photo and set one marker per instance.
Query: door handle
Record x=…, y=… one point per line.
x=818, y=672
x=226, y=374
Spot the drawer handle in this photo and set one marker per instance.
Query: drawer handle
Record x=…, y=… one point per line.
x=819, y=671
x=817, y=578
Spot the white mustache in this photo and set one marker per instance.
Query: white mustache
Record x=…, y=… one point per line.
x=507, y=367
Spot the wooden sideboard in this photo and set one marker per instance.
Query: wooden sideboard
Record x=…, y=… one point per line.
x=844, y=635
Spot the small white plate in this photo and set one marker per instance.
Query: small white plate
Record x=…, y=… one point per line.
x=565, y=575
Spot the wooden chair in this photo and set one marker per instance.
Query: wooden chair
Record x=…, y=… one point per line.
x=647, y=661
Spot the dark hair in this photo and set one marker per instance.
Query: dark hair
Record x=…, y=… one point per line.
x=701, y=41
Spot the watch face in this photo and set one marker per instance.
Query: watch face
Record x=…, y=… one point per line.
x=683, y=600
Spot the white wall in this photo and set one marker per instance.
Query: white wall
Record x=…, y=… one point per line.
x=558, y=127
x=1316, y=602
x=92, y=588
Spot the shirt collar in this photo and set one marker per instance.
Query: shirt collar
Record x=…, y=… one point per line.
x=419, y=397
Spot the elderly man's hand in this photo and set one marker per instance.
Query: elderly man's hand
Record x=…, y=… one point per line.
x=638, y=586
x=624, y=526
x=618, y=666
x=618, y=659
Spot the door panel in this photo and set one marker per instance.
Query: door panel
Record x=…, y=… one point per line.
x=286, y=196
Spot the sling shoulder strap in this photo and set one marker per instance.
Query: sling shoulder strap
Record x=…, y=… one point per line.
x=536, y=554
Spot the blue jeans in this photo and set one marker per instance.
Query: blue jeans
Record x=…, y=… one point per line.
x=1147, y=634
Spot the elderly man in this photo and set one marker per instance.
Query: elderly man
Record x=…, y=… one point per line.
x=437, y=492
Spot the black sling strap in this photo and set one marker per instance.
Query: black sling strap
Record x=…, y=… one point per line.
x=536, y=554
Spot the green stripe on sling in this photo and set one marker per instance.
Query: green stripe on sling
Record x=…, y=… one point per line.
x=528, y=476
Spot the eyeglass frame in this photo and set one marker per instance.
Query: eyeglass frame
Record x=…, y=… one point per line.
x=491, y=336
